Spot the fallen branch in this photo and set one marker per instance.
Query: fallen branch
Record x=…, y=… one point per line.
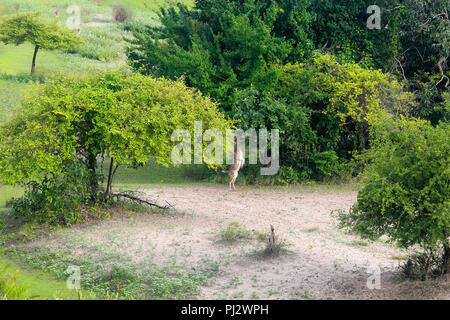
x=131, y=196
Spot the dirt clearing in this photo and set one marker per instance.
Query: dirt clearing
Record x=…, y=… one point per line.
x=320, y=261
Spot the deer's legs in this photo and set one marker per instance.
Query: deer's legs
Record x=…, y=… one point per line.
x=233, y=177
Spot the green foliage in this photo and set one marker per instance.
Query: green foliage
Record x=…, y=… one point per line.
x=327, y=165
x=26, y=27
x=413, y=42
x=235, y=231
x=340, y=28
x=127, y=116
x=246, y=54
x=286, y=176
x=111, y=273
x=220, y=46
x=407, y=185
x=57, y=200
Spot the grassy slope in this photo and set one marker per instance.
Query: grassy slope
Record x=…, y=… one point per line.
x=39, y=284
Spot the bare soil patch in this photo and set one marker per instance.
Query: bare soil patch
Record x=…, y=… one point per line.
x=321, y=262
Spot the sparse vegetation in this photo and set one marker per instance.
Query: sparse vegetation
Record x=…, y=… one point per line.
x=235, y=231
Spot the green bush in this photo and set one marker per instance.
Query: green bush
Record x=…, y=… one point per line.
x=286, y=176
x=327, y=165
x=120, y=13
x=406, y=195
x=57, y=200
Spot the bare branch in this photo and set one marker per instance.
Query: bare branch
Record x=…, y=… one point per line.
x=131, y=196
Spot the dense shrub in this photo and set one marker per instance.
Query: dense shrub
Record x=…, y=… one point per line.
x=407, y=186
x=222, y=45
x=56, y=200
x=257, y=58
x=120, y=13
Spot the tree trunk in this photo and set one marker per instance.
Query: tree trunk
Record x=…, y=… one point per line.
x=110, y=174
x=93, y=181
x=446, y=258
x=33, y=63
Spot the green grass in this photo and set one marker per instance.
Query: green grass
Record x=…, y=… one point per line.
x=147, y=5
x=106, y=272
x=103, y=46
x=10, y=96
x=235, y=231
x=38, y=284
x=359, y=243
x=16, y=60
x=8, y=192
x=153, y=173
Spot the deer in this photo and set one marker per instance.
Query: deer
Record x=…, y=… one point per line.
x=57, y=12
x=80, y=27
x=238, y=163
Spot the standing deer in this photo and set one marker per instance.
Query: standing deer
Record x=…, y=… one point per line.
x=238, y=163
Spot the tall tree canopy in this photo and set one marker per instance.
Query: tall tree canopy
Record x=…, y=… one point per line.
x=222, y=45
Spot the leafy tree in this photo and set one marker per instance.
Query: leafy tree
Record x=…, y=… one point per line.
x=223, y=45
x=413, y=43
x=27, y=27
x=331, y=107
x=126, y=116
x=340, y=28
x=406, y=187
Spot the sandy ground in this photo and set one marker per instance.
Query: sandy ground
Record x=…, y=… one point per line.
x=321, y=262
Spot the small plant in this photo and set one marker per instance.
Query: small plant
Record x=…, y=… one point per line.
x=235, y=231
x=359, y=243
x=273, y=245
x=9, y=289
x=307, y=295
x=55, y=201
x=310, y=230
x=120, y=13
